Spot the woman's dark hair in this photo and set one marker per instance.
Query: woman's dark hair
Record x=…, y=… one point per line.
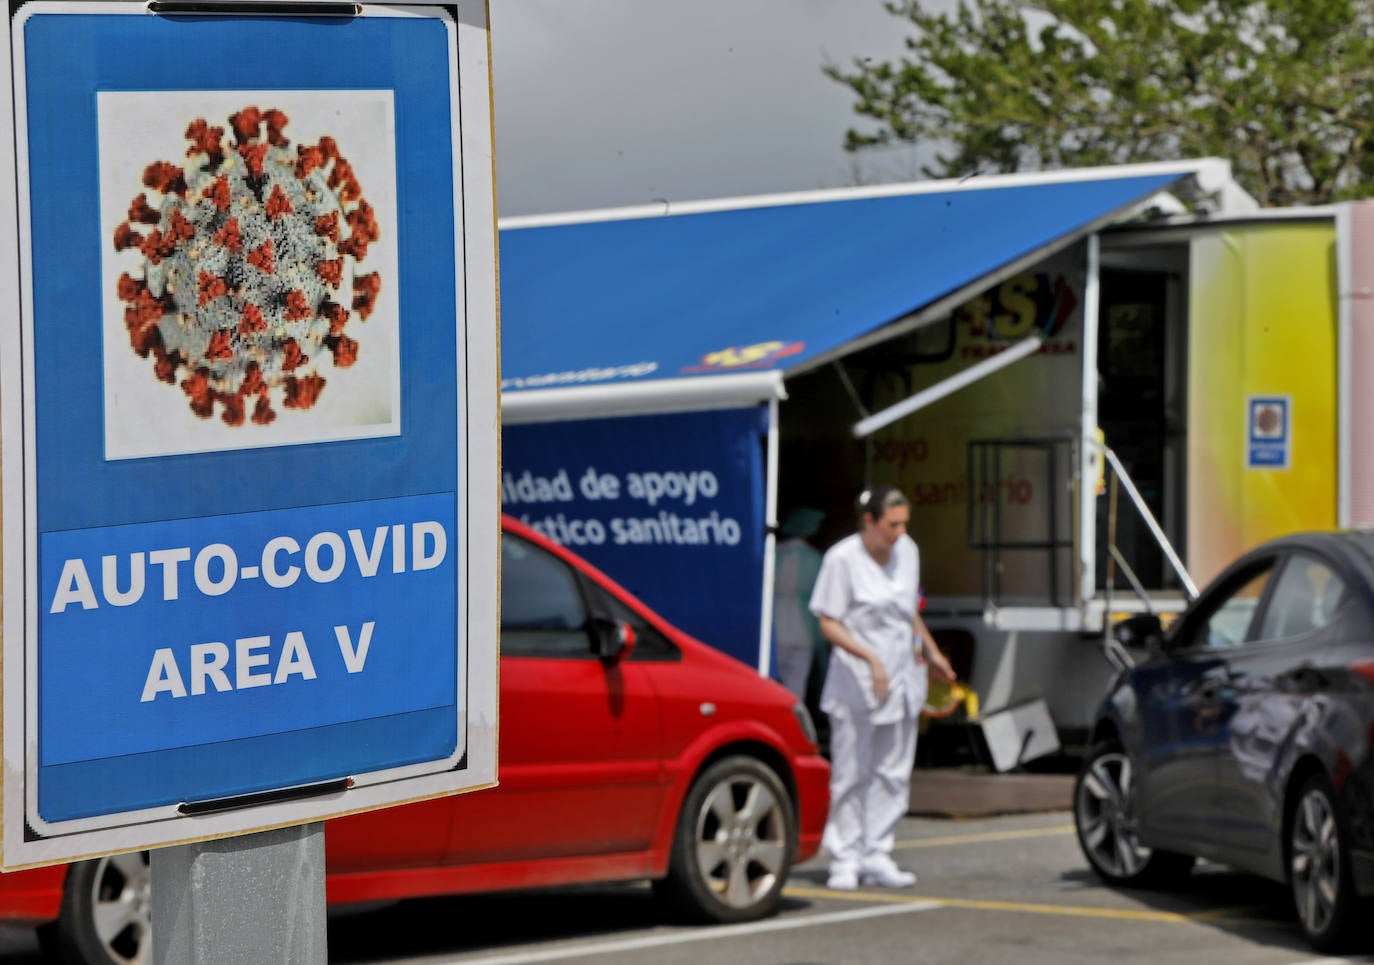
x=877, y=500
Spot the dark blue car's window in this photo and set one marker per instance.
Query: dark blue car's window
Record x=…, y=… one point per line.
x=1228, y=623
x=1306, y=595
x=542, y=613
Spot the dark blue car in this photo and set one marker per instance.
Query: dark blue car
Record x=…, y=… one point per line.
x=1245, y=736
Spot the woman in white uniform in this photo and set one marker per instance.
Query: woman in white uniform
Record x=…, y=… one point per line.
x=866, y=600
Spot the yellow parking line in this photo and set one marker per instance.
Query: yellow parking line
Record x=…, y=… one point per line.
x=1289, y=925
x=882, y=898
x=1225, y=914
x=952, y=839
x=1076, y=911
x=1031, y=908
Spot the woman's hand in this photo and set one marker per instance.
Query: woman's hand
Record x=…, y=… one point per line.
x=937, y=660
x=837, y=636
x=941, y=668
x=880, y=684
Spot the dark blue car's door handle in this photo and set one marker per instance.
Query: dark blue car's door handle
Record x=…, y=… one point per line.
x=1210, y=686
x=1202, y=689
x=1306, y=679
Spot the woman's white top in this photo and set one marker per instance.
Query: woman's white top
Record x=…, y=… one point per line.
x=877, y=605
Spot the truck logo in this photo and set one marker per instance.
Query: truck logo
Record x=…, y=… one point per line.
x=1019, y=306
x=760, y=355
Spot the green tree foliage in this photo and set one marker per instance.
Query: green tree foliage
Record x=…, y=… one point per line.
x=1284, y=89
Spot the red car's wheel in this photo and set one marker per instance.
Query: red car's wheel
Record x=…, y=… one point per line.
x=106, y=915
x=734, y=844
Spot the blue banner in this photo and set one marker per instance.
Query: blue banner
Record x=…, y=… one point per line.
x=244, y=339
x=670, y=506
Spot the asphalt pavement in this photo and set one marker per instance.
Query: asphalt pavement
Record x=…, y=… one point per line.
x=1011, y=888
x=992, y=889
x=972, y=792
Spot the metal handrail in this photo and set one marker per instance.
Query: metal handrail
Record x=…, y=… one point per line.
x=1111, y=647
x=1189, y=586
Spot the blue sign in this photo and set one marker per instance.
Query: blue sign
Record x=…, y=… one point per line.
x=670, y=506
x=1269, y=435
x=246, y=377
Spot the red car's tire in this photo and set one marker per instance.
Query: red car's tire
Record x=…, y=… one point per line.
x=106, y=915
x=733, y=848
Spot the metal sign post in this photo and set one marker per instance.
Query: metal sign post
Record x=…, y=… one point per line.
x=251, y=898
x=248, y=440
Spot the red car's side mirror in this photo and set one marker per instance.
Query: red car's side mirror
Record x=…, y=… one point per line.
x=615, y=639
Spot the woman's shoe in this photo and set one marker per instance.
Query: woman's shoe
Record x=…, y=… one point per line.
x=842, y=879
x=886, y=874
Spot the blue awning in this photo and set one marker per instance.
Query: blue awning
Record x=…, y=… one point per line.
x=619, y=298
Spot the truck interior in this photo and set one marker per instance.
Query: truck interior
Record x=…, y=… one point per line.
x=1025, y=552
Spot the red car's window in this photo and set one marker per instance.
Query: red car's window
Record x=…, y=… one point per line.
x=542, y=610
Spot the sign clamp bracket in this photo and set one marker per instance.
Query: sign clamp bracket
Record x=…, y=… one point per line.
x=217, y=804
x=269, y=8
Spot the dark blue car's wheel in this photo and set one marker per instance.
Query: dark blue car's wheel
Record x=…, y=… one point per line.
x=1319, y=867
x=1105, y=818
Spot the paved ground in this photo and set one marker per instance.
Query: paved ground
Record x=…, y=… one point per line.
x=962, y=792
x=1008, y=888
x=992, y=890
x=1011, y=888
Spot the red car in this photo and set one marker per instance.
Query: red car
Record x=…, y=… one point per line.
x=628, y=750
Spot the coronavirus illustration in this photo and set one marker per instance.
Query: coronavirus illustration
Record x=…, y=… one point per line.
x=250, y=254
